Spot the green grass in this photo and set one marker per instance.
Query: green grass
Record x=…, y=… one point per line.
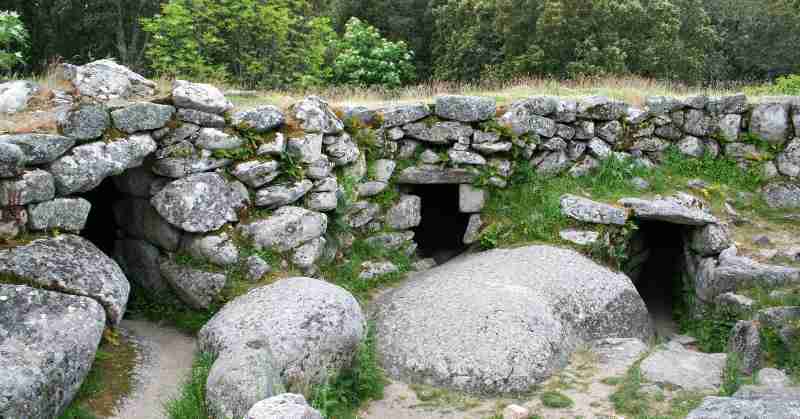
x=166, y=307
x=529, y=210
x=732, y=378
x=342, y=395
x=191, y=402
x=77, y=412
x=556, y=400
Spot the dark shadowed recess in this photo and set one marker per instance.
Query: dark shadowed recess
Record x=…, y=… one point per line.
x=101, y=228
x=440, y=235
x=660, y=281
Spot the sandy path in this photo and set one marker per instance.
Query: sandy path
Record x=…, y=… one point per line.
x=165, y=361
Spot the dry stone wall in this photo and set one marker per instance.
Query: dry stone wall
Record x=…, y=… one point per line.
x=202, y=179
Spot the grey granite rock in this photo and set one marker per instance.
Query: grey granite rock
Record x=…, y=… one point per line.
x=86, y=122
x=107, y=80
x=88, y=165
x=710, y=240
x=503, y=321
x=280, y=195
x=589, y=211
x=284, y=406
x=371, y=270
x=316, y=116
x=262, y=119
x=39, y=148
x=306, y=149
x=407, y=213
x=199, y=96
x=670, y=210
x=72, y=265
x=782, y=195
x=140, y=261
x=471, y=199
x=770, y=122
x=286, y=229
x=214, y=139
x=194, y=203
x=49, y=341
x=688, y=370
x=431, y=175
x=308, y=254
x=601, y=108
x=201, y=119
x=473, y=231
x=240, y=378
x=399, y=115
x=523, y=119
x=194, y=287
x=65, y=214
x=218, y=249
x=343, y=150
x=256, y=173
x=143, y=116
x=33, y=186
x=14, y=95
x=466, y=108
x=745, y=342
x=305, y=327
x=12, y=160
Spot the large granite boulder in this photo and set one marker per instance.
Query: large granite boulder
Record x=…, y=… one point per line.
x=200, y=97
x=238, y=379
x=198, y=203
x=106, y=80
x=88, y=165
x=48, y=342
x=286, y=229
x=14, y=95
x=299, y=329
x=505, y=320
x=72, y=265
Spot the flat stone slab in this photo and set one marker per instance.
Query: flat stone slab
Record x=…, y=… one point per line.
x=435, y=176
x=680, y=367
x=586, y=210
x=669, y=210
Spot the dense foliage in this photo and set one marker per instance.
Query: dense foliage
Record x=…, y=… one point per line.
x=304, y=42
x=13, y=40
x=364, y=58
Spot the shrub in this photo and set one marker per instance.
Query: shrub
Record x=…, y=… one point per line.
x=365, y=58
x=788, y=85
x=13, y=40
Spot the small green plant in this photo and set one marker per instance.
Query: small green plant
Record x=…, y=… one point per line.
x=612, y=249
x=712, y=330
x=341, y=394
x=291, y=167
x=629, y=398
x=191, y=402
x=556, y=400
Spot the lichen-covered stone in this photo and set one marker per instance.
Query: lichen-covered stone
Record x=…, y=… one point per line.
x=199, y=96
x=710, y=240
x=316, y=116
x=143, y=116
x=39, y=148
x=256, y=173
x=86, y=122
x=49, y=341
x=280, y=195
x=306, y=149
x=139, y=219
x=218, y=249
x=200, y=118
x=262, y=119
x=12, y=160
x=589, y=211
x=308, y=254
x=430, y=175
x=522, y=119
x=14, y=95
x=688, y=370
x=66, y=214
x=88, y=165
x=286, y=229
x=471, y=199
x=107, y=80
x=198, y=203
x=466, y=108
x=194, y=287
x=284, y=406
x=770, y=122
x=399, y=115
x=783, y=195
x=788, y=161
x=33, y=186
x=601, y=108
x=670, y=209
x=72, y=265
x=407, y=213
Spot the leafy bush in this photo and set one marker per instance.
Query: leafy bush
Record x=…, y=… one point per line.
x=365, y=58
x=255, y=43
x=13, y=40
x=788, y=85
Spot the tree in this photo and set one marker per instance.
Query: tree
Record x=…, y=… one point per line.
x=13, y=40
x=365, y=58
x=269, y=44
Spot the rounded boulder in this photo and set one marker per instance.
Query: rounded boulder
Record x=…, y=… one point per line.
x=505, y=320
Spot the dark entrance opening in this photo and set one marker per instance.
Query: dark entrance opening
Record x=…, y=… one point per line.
x=101, y=228
x=440, y=235
x=660, y=278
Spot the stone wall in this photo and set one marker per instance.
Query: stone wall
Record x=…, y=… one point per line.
x=205, y=180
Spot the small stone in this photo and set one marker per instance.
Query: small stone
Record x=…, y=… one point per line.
x=86, y=122
x=194, y=287
x=599, y=149
x=581, y=238
x=589, y=211
x=611, y=132
x=216, y=248
x=692, y=147
x=283, y=406
x=274, y=148
x=280, y=195
x=214, y=139
x=369, y=189
x=399, y=115
x=343, y=151
x=256, y=268
x=473, y=232
x=322, y=201
x=640, y=184
x=319, y=169
x=200, y=118
x=745, y=341
x=771, y=377
x=471, y=199
x=308, y=254
x=256, y=173
x=372, y=270
x=406, y=214
x=316, y=116
x=306, y=149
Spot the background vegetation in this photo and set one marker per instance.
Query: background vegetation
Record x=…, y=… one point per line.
x=302, y=43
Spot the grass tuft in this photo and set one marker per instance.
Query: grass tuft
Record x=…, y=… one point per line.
x=191, y=403
x=556, y=400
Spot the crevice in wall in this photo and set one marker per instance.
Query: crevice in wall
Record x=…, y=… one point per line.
x=101, y=228
x=657, y=271
x=440, y=235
